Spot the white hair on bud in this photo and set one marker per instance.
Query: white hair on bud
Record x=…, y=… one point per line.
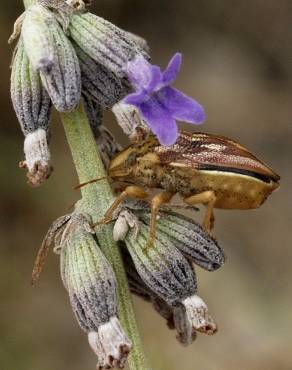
x=36, y=149
x=110, y=344
x=193, y=316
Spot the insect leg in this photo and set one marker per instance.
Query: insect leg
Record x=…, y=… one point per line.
x=130, y=191
x=156, y=202
x=207, y=198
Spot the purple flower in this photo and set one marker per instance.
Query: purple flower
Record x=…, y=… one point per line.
x=160, y=104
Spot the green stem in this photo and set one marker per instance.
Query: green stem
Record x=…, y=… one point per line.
x=96, y=199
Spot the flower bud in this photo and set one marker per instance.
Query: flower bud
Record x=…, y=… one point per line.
x=30, y=100
x=94, y=114
x=140, y=41
x=91, y=285
x=138, y=287
x=162, y=267
x=129, y=119
x=33, y=109
x=188, y=316
x=136, y=284
x=63, y=9
x=189, y=237
x=107, y=145
x=63, y=80
x=38, y=38
x=104, y=42
x=99, y=83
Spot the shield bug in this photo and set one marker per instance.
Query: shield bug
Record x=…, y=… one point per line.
x=203, y=168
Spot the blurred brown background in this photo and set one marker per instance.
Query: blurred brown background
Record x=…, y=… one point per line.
x=238, y=64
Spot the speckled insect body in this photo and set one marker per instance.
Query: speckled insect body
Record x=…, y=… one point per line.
x=203, y=168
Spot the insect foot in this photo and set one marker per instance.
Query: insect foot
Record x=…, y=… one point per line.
x=91, y=284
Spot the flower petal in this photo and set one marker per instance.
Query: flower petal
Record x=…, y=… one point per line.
x=172, y=70
x=181, y=107
x=139, y=72
x=143, y=75
x=159, y=121
x=156, y=79
x=135, y=98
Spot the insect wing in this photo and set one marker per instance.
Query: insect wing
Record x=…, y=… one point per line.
x=213, y=152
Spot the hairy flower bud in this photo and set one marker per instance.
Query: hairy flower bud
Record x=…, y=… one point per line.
x=33, y=107
x=38, y=38
x=138, y=287
x=162, y=267
x=187, y=316
x=91, y=285
x=94, y=114
x=99, y=83
x=63, y=80
x=189, y=237
x=107, y=144
x=140, y=41
x=136, y=284
x=161, y=274
x=104, y=42
x=129, y=119
x=30, y=100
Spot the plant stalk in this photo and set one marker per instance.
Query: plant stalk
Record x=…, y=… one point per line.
x=96, y=199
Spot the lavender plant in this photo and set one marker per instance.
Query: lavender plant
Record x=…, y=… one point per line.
x=82, y=64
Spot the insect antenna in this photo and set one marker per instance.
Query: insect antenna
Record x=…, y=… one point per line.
x=78, y=187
